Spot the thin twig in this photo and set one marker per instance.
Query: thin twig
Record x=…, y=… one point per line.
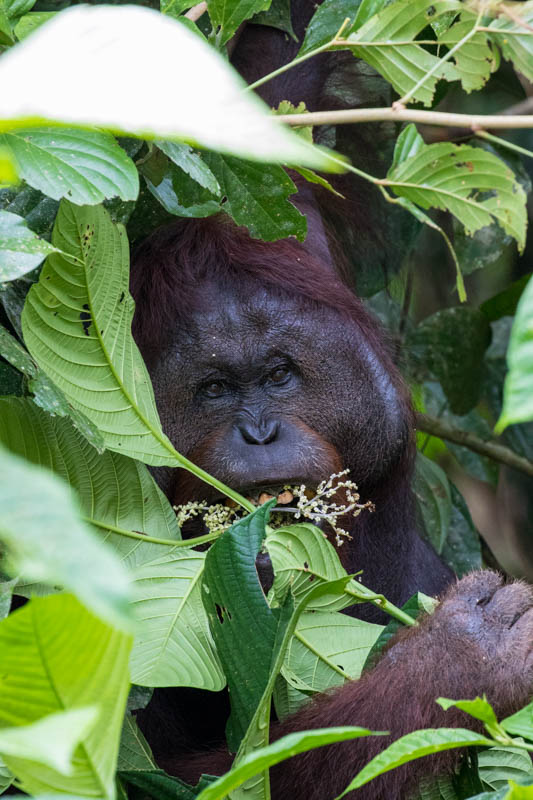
x=485, y=447
x=196, y=12
x=356, y=115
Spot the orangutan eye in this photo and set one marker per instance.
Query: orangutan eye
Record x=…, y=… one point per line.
x=214, y=389
x=280, y=375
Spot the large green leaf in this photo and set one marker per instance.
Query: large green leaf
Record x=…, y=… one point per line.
x=50, y=741
x=326, y=650
x=77, y=326
x=258, y=197
x=301, y=558
x=56, y=656
x=518, y=388
x=192, y=163
x=497, y=765
x=246, y=631
x=415, y=745
x=284, y=748
x=515, y=39
x=227, y=15
x=450, y=177
x=211, y=110
x=386, y=42
x=326, y=22
x=83, y=166
x=21, y=250
x=134, y=753
x=115, y=492
x=46, y=540
x=173, y=645
x=45, y=393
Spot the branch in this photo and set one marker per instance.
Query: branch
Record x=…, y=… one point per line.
x=490, y=448
x=472, y=121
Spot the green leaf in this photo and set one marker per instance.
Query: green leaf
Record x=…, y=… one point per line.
x=30, y=22
x=326, y=650
x=46, y=540
x=284, y=748
x=301, y=557
x=6, y=31
x=326, y=22
x=181, y=195
x=173, y=646
x=498, y=765
x=115, y=492
x=451, y=345
x=278, y=15
x=56, y=656
x=77, y=326
x=515, y=39
x=157, y=784
x=479, y=708
x=46, y=394
x=408, y=144
x=227, y=15
x=175, y=7
x=416, y=745
x=6, y=595
x=16, y=8
x=474, y=60
x=6, y=778
x=134, y=753
x=433, y=500
x=211, y=111
x=192, y=163
x=51, y=740
x=449, y=177
x=258, y=197
x=521, y=723
x=518, y=387
x=238, y=612
x=20, y=249
x=385, y=42
x=83, y=166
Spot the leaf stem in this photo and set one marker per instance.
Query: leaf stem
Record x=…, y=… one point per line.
x=504, y=143
x=208, y=537
x=379, y=600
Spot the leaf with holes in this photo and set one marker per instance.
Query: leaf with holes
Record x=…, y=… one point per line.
x=173, y=646
x=77, y=326
x=474, y=185
x=387, y=42
x=84, y=166
x=131, y=501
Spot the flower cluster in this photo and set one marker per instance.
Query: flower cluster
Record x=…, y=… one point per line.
x=321, y=506
x=333, y=499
